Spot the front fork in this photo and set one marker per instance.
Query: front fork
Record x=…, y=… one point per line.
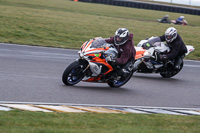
x=86, y=68
x=84, y=65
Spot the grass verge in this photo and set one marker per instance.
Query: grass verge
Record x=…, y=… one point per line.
x=16, y=121
x=68, y=24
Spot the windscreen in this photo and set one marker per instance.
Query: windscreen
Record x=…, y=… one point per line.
x=98, y=43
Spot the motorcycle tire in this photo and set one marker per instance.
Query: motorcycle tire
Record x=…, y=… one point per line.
x=72, y=74
x=169, y=74
x=121, y=81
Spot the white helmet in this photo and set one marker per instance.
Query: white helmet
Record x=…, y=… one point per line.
x=170, y=34
x=182, y=17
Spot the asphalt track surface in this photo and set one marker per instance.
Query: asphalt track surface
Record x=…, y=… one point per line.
x=33, y=74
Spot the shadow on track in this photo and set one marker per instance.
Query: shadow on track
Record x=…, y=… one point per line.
x=156, y=78
x=99, y=87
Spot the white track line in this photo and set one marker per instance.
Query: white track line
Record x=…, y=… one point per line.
x=99, y=105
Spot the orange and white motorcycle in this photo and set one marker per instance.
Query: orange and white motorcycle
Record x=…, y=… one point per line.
x=92, y=65
x=147, y=60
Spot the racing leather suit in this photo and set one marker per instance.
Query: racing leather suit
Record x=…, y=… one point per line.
x=126, y=52
x=177, y=49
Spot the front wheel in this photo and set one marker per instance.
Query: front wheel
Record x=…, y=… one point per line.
x=169, y=74
x=73, y=74
x=121, y=81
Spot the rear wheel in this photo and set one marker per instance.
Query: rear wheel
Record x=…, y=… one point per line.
x=73, y=74
x=171, y=73
x=121, y=81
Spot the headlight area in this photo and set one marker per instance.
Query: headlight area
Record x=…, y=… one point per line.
x=86, y=56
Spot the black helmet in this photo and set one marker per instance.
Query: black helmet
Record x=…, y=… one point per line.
x=121, y=36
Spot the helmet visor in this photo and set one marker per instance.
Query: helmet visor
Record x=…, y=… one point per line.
x=169, y=37
x=119, y=39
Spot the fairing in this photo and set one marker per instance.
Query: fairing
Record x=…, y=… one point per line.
x=93, y=51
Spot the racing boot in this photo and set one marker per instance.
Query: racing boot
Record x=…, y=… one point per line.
x=126, y=69
x=178, y=62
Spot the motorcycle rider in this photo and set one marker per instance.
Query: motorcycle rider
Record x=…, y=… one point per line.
x=165, y=19
x=179, y=20
x=176, y=45
x=123, y=41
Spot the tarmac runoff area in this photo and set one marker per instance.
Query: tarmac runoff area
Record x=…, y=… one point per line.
x=81, y=108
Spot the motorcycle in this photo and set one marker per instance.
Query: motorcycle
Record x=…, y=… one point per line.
x=147, y=59
x=92, y=65
x=184, y=22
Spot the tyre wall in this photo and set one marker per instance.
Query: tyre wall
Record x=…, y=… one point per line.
x=146, y=5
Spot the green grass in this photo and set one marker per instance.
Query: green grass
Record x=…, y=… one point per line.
x=39, y=122
x=68, y=24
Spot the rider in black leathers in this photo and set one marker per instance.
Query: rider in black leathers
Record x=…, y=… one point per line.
x=176, y=45
x=165, y=19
